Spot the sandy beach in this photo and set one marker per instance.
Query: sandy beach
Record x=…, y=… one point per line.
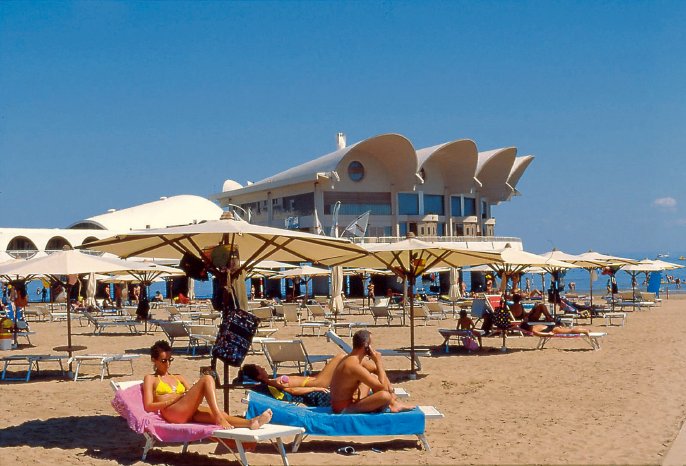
x=566, y=404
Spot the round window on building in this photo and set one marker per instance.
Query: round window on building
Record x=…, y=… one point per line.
x=356, y=171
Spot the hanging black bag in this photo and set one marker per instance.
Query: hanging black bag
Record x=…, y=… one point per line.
x=235, y=337
x=143, y=309
x=194, y=267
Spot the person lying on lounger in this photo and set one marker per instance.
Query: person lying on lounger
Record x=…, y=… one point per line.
x=295, y=384
x=310, y=391
x=179, y=402
x=360, y=385
x=540, y=314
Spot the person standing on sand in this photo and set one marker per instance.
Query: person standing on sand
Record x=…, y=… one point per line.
x=354, y=378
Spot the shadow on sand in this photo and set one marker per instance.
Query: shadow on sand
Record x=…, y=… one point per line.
x=102, y=437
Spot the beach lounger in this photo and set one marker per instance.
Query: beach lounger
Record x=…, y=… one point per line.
x=351, y=326
x=382, y=312
x=449, y=333
x=342, y=344
x=40, y=313
x=128, y=403
x=593, y=339
x=317, y=312
x=421, y=311
x=205, y=335
x=322, y=422
x=100, y=324
x=174, y=330
x=31, y=361
x=291, y=313
x=436, y=309
x=290, y=353
x=101, y=360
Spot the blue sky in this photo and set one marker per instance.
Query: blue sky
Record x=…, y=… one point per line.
x=110, y=104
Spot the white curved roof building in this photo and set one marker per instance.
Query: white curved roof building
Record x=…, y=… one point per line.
x=446, y=190
x=167, y=211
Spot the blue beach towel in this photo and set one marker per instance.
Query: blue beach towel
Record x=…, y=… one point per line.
x=322, y=421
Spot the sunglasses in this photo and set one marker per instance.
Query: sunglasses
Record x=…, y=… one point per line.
x=164, y=361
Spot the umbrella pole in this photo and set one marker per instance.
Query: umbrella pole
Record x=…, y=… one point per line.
x=413, y=372
x=69, y=352
x=591, y=286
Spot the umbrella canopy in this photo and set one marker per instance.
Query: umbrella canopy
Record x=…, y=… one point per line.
x=412, y=257
x=516, y=260
x=667, y=265
x=69, y=262
x=254, y=243
x=646, y=265
x=572, y=259
x=606, y=260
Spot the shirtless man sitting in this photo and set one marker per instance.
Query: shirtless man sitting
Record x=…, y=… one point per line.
x=354, y=377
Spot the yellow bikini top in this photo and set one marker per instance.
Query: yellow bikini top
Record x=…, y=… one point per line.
x=163, y=388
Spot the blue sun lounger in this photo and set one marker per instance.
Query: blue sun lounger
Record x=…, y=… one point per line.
x=322, y=422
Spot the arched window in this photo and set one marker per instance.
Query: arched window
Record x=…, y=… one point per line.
x=21, y=247
x=56, y=243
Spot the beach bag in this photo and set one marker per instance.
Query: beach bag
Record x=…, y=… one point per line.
x=194, y=267
x=235, y=337
x=470, y=343
x=501, y=318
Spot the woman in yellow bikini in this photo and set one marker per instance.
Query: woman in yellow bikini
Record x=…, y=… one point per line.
x=295, y=384
x=178, y=401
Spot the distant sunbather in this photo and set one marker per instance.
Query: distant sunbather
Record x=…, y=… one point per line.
x=540, y=310
x=354, y=377
x=516, y=308
x=179, y=402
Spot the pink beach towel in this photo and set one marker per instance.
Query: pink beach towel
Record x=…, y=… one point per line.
x=129, y=404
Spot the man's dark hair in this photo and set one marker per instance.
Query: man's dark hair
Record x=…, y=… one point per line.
x=161, y=346
x=361, y=339
x=516, y=298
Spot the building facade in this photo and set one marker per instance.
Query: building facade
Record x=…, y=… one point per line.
x=440, y=192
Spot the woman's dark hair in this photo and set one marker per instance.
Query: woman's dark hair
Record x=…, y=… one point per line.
x=160, y=346
x=250, y=371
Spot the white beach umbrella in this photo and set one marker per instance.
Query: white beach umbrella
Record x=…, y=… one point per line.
x=645, y=266
x=613, y=262
x=411, y=257
x=59, y=264
x=306, y=272
x=667, y=265
x=252, y=244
